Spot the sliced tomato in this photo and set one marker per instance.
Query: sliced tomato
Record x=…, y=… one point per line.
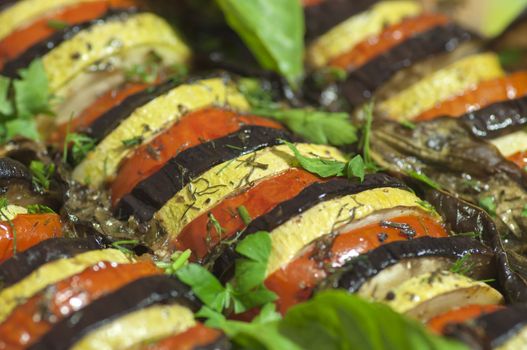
x=295, y=282
x=519, y=158
x=200, y=235
x=387, y=39
x=22, y=39
x=194, y=128
x=460, y=315
x=28, y=229
x=197, y=336
x=101, y=105
x=486, y=93
x=37, y=315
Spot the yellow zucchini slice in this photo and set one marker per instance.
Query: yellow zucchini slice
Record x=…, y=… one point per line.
x=443, y=84
x=24, y=11
x=101, y=164
x=11, y=211
x=511, y=143
x=326, y=217
x=355, y=29
x=433, y=293
x=142, y=326
x=53, y=272
x=230, y=177
x=107, y=39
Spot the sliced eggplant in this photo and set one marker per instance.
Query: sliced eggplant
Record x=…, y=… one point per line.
x=22, y=264
x=375, y=273
x=12, y=170
x=108, y=121
x=321, y=17
x=503, y=329
x=231, y=177
x=40, y=49
x=361, y=84
x=223, y=256
x=152, y=193
x=53, y=272
x=140, y=294
x=102, y=163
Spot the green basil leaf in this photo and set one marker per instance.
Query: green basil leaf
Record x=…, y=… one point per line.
x=319, y=166
x=273, y=30
x=315, y=126
x=338, y=320
x=204, y=285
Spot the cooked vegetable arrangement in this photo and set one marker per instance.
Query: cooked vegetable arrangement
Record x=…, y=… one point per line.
x=161, y=191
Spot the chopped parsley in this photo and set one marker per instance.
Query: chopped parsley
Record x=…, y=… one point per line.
x=79, y=144
x=132, y=142
x=39, y=209
x=244, y=214
x=42, y=174
x=57, y=24
x=489, y=204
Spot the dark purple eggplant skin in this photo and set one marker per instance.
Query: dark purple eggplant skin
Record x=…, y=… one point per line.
x=5, y=4
x=322, y=17
x=497, y=119
x=361, y=84
x=111, y=119
x=222, y=257
x=41, y=48
x=490, y=330
x=11, y=169
x=22, y=264
x=152, y=193
x=140, y=294
x=358, y=271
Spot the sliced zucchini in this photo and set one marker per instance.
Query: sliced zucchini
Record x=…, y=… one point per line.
x=142, y=326
x=24, y=11
x=11, y=211
x=331, y=216
x=441, y=85
x=53, y=272
x=349, y=33
x=511, y=143
x=230, y=177
x=433, y=293
x=101, y=164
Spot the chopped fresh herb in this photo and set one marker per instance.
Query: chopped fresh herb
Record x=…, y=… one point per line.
x=177, y=261
x=463, y=265
x=356, y=167
x=42, y=173
x=489, y=204
x=234, y=147
x=246, y=290
x=488, y=280
x=121, y=245
x=524, y=211
x=277, y=47
x=3, y=203
x=365, y=138
x=258, y=93
x=425, y=205
x=21, y=100
x=244, y=214
x=80, y=146
x=408, y=124
x=134, y=141
x=146, y=72
x=315, y=126
x=423, y=178
x=328, y=75
x=470, y=234
x=39, y=209
x=215, y=223
x=57, y=24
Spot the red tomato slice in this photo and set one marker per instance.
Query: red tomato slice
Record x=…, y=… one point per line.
x=30, y=229
x=519, y=158
x=484, y=94
x=460, y=315
x=194, y=128
x=200, y=235
x=103, y=104
x=294, y=283
x=197, y=336
x=389, y=38
x=23, y=38
x=29, y=321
